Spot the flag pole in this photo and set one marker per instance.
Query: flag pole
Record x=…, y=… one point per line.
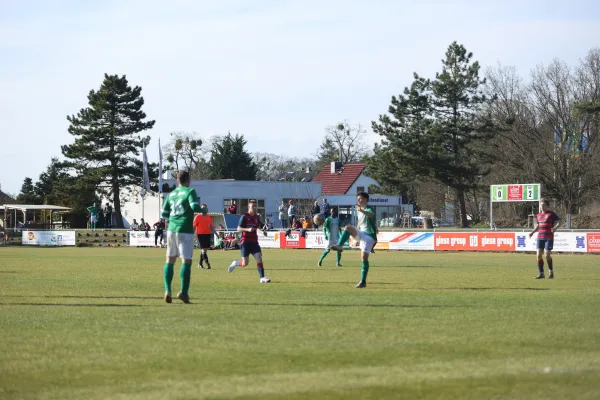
x=160, y=177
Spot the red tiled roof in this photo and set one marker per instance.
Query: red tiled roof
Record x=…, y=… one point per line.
x=340, y=182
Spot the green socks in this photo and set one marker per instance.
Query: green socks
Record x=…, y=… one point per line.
x=168, y=276
x=365, y=271
x=324, y=255
x=185, y=274
x=344, y=237
x=339, y=258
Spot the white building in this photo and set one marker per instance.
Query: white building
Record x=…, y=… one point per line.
x=337, y=183
x=341, y=183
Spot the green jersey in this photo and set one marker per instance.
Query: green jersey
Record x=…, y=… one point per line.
x=366, y=224
x=179, y=209
x=331, y=228
x=93, y=211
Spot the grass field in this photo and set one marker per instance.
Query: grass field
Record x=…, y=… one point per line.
x=81, y=323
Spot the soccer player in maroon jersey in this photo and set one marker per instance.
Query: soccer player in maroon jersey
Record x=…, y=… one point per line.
x=547, y=223
x=249, y=225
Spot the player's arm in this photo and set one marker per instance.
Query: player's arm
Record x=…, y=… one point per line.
x=366, y=210
x=537, y=227
x=212, y=228
x=557, y=224
x=262, y=229
x=194, y=203
x=166, y=211
x=242, y=226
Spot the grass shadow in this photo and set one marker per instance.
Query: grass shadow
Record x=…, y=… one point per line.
x=87, y=297
x=345, y=305
x=477, y=288
x=70, y=305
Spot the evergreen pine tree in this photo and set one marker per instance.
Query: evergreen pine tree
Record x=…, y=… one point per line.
x=107, y=143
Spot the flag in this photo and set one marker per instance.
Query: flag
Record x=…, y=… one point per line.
x=146, y=177
x=160, y=170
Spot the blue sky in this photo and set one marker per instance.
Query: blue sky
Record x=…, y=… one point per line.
x=278, y=72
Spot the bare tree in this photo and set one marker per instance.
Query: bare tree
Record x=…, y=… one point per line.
x=546, y=139
x=183, y=150
x=343, y=142
x=272, y=167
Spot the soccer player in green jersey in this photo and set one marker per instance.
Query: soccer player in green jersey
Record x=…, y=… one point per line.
x=365, y=234
x=93, y=216
x=331, y=230
x=179, y=208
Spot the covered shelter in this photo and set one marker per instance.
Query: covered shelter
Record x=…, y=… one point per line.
x=33, y=216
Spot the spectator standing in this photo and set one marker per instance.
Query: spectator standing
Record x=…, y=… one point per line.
x=291, y=212
x=316, y=210
x=108, y=216
x=325, y=209
x=159, y=228
x=93, y=210
x=283, y=215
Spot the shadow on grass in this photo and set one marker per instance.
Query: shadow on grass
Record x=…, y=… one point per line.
x=9, y=272
x=70, y=305
x=87, y=297
x=477, y=288
x=346, y=305
x=296, y=269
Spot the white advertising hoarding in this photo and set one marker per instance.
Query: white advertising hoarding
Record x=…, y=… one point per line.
x=271, y=241
x=143, y=239
x=411, y=241
x=48, y=238
x=572, y=242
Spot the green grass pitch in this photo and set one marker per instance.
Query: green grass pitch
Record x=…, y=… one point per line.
x=90, y=323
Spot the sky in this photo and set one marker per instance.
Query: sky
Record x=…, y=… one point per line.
x=277, y=71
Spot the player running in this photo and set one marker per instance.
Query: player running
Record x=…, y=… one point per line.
x=366, y=235
x=179, y=209
x=331, y=230
x=249, y=225
x=205, y=227
x=547, y=223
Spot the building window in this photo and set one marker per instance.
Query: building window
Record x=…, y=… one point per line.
x=360, y=189
x=242, y=206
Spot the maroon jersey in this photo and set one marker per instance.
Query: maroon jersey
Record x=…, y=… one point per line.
x=250, y=221
x=546, y=221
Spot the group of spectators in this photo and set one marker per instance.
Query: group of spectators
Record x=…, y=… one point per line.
x=289, y=219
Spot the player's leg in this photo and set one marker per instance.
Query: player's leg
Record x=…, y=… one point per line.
x=327, y=250
x=541, y=244
x=186, y=251
x=257, y=254
x=548, y=256
x=338, y=256
x=205, y=245
x=245, y=251
x=201, y=262
x=366, y=247
x=172, y=253
x=349, y=230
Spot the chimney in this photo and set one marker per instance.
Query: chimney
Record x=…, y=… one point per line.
x=335, y=165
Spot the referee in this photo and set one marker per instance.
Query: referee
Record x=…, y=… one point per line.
x=204, y=227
